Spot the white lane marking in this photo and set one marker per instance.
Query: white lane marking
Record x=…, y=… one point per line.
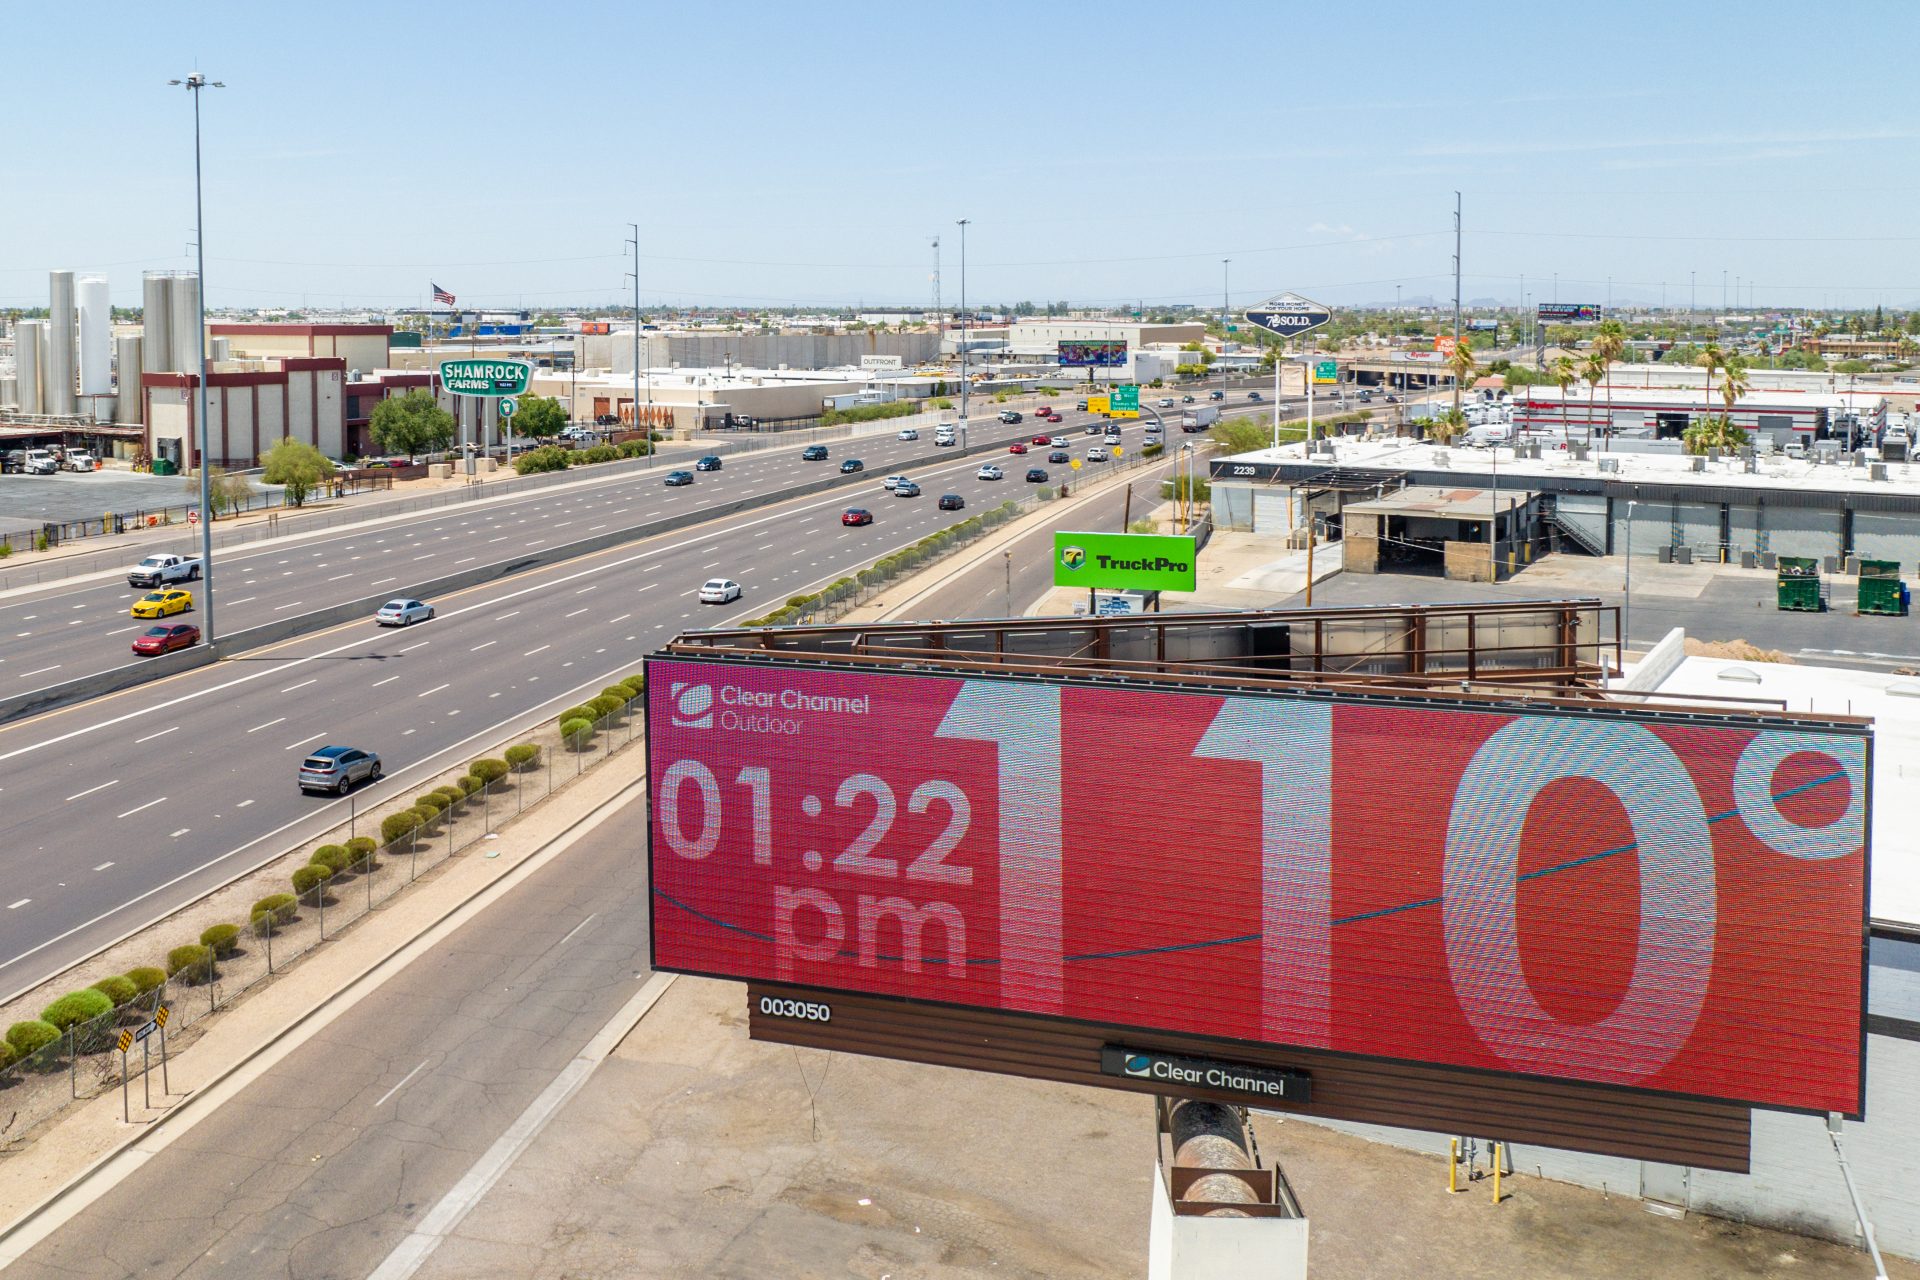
x=14, y=906
x=477, y=648
x=377, y=683
x=243, y=804
x=268, y=725
x=242, y=599
x=582, y=591
x=314, y=737
x=90, y=790
x=542, y=649
x=40, y=671
x=293, y=605
x=303, y=684
x=336, y=577
x=410, y=648
x=716, y=564
x=150, y=737
x=437, y=688
x=382, y=582
x=182, y=831
x=103, y=866
x=148, y=805
x=650, y=586
x=622, y=618
x=576, y=613
x=577, y=928
x=403, y=1081
x=503, y=617
x=468, y=560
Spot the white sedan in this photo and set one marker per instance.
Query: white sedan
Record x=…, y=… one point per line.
x=908, y=433
x=403, y=613
x=990, y=472
x=719, y=591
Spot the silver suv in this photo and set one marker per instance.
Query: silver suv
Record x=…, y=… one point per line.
x=336, y=769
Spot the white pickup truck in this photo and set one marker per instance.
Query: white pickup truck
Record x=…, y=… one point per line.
x=161, y=569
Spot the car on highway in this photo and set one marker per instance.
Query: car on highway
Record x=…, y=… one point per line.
x=1053, y=417
x=1016, y=447
x=1097, y=454
x=1094, y=428
x=1080, y=406
x=719, y=591
x=893, y=482
x=158, y=604
x=166, y=638
x=989, y=472
x=855, y=516
x=709, y=463
x=814, y=453
x=952, y=502
x=336, y=769
x=674, y=479
x=1057, y=442
x=907, y=433
x=1059, y=457
x=1216, y=394
x=1253, y=395
x=1036, y=475
x=1012, y=416
x=852, y=465
x=1165, y=402
x=1043, y=410
x=1392, y=399
x=1186, y=399
x=403, y=613
x=906, y=489
x=1041, y=439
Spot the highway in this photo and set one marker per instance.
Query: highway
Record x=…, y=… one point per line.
x=116, y=810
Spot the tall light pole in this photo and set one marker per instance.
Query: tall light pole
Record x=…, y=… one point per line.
x=1626, y=612
x=194, y=83
x=966, y=383
x=1225, y=266
x=648, y=427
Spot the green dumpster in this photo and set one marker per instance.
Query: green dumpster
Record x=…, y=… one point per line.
x=1881, y=590
x=164, y=467
x=1798, y=587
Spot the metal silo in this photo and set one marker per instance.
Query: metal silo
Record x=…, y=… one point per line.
x=29, y=336
x=56, y=357
x=127, y=355
x=9, y=392
x=184, y=294
x=96, y=336
x=156, y=322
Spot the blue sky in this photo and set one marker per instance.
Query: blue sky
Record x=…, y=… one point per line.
x=808, y=153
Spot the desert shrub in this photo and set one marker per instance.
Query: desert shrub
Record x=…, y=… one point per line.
x=280, y=908
x=334, y=857
x=76, y=1007
x=360, y=848
x=636, y=685
x=577, y=732
x=520, y=756
x=619, y=691
x=581, y=712
x=492, y=770
x=396, y=826
x=28, y=1038
x=545, y=458
x=306, y=878
x=472, y=783
x=604, y=706
x=632, y=448
x=600, y=453
x=193, y=962
x=146, y=978
x=220, y=939
x=430, y=800
x=117, y=989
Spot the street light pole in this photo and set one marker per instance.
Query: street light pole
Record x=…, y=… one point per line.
x=194, y=83
x=1626, y=612
x=966, y=383
x=1225, y=266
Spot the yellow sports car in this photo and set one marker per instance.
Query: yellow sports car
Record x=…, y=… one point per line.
x=158, y=604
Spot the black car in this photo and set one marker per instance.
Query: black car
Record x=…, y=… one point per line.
x=1059, y=457
x=675, y=479
x=1392, y=399
x=1216, y=395
x=1036, y=475
x=607, y=420
x=852, y=465
x=1094, y=428
x=952, y=502
x=814, y=453
x=709, y=463
x=1012, y=416
x=1186, y=399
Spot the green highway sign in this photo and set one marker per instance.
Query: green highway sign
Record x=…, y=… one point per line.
x=1124, y=561
x=1125, y=402
x=1325, y=371
x=508, y=406
x=485, y=377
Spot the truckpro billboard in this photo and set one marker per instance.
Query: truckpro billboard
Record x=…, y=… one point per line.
x=1124, y=561
x=1658, y=901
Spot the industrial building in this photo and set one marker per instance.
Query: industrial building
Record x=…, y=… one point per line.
x=1769, y=415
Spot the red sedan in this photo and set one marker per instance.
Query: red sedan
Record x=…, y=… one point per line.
x=1053, y=417
x=1043, y=440
x=856, y=515
x=1043, y=411
x=1016, y=448
x=165, y=639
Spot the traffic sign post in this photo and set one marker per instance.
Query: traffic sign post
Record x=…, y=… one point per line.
x=1289, y=316
x=160, y=1021
x=508, y=407
x=1124, y=402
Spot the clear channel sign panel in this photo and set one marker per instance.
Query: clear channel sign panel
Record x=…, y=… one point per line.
x=476, y=377
x=1657, y=901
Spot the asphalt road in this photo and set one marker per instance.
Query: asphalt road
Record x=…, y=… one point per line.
x=322, y=1166
x=115, y=810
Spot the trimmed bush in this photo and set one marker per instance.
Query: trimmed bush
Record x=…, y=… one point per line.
x=619, y=691
x=6, y=1050
x=577, y=732
x=334, y=857
x=117, y=989
x=28, y=1038
x=397, y=826
x=453, y=795
x=360, y=848
x=146, y=978
x=520, y=756
x=427, y=814
x=76, y=1007
x=283, y=907
x=632, y=448
x=306, y=878
x=545, y=458
x=492, y=770
x=471, y=784
x=194, y=963
x=635, y=685
x=600, y=453
x=221, y=939
x=430, y=800
x=605, y=706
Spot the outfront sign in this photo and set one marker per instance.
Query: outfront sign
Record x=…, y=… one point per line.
x=1177, y=1071
x=485, y=377
x=1568, y=312
x=1668, y=901
x=1289, y=315
x=1124, y=561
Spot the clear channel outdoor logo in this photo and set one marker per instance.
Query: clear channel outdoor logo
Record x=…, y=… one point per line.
x=1139, y=1064
x=692, y=705
x=1073, y=557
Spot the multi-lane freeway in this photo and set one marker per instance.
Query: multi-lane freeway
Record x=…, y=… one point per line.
x=116, y=810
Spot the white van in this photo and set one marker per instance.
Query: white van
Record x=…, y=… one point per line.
x=944, y=434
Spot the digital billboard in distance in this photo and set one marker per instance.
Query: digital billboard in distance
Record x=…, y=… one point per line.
x=1568, y=312
x=1092, y=355
x=1666, y=902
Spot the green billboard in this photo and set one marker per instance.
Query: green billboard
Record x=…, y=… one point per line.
x=485, y=377
x=1124, y=561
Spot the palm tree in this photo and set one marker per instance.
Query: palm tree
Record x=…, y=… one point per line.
x=1712, y=358
x=1592, y=369
x=1609, y=344
x=1564, y=375
x=1733, y=385
x=1461, y=364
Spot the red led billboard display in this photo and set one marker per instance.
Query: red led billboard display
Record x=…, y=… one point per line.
x=1658, y=901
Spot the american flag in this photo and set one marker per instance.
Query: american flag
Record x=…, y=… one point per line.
x=441, y=295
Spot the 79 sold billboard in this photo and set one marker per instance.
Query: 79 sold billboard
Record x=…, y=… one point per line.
x=1665, y=902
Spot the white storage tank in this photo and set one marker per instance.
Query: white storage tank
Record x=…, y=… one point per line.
x=9, y=392
x=156, y=322
x=184, y=294
x=29, y=338
x=56, y=357
x=127, y=357
x=96, y=336
x=220, y=349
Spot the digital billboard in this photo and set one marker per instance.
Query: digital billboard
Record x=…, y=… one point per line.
x=1568, y=312
x=1671, y=902
x=1092, y=355
x=1124, y=561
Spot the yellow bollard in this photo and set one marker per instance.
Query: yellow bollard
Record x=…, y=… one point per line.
x=1499, y=1156
x=1453, y=1165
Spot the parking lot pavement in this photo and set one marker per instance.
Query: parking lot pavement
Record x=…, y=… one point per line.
x=29, y=501
x=696, y=1152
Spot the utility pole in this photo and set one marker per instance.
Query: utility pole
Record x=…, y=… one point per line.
x=1456, y=268
x=940, y=323
x=1225, y=264
x=194, y=83
x=966, y=383
x=635, y=273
